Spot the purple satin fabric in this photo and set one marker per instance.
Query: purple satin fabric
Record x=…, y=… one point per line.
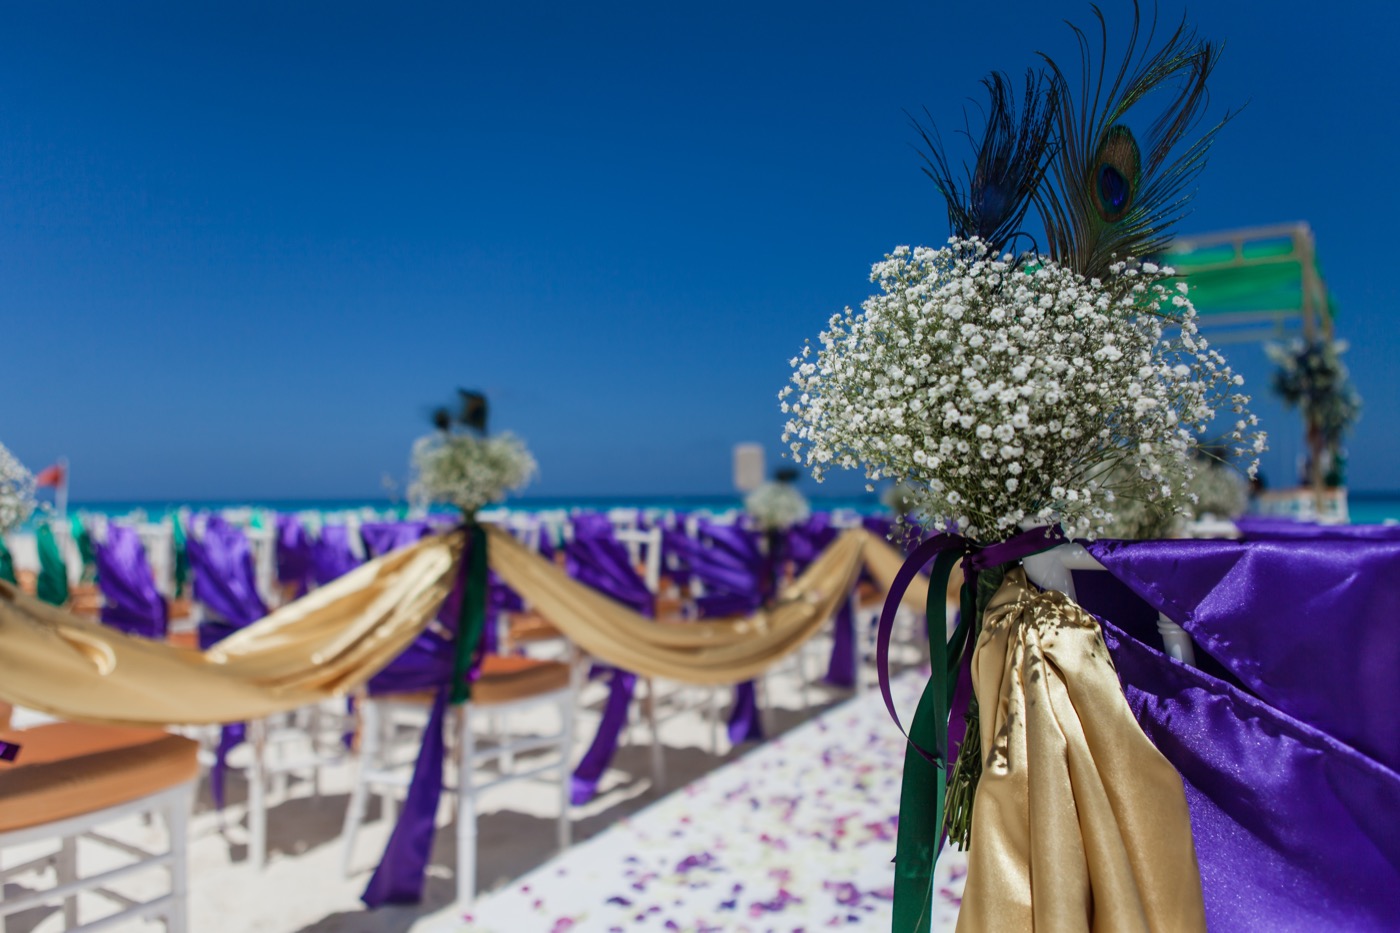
x=331, y=555
x=1294, y=830
x=1307, y=626
x=130, y=601
x=293, y=552
x=597, y=560
x=1292, y=800
x=401, y=872
x=226, y=584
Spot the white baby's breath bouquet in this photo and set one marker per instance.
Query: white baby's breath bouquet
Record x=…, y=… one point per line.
x=16, y=492
x=777, y=506
x=1006, y=394
x=469, y=470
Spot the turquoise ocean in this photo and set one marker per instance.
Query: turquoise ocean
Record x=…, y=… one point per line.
x=1366, y=507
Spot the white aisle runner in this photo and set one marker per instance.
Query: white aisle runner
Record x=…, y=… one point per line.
x=796, y=835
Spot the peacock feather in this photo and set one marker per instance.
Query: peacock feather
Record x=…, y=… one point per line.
x=1011, y=159
x=1106, y=197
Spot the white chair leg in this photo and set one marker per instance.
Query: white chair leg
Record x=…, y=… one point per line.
x=66, y=865
x=658, y=760
x=366, y=760
x=497, y=723
x=566, y=746
x=466, y=813
x=712, y=707
x=257, y=795
x=177, y=820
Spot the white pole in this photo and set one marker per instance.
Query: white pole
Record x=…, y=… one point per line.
x=61, y=494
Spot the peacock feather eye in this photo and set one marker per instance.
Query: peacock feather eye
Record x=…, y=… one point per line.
x=1117, y=171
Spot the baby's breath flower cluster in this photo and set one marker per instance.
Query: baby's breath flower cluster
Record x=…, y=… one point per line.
x=469, y=471
x=777, y=506
x=16, y=491
x=1007, y=394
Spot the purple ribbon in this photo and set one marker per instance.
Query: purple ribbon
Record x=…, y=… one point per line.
x=428, y=663
x=975, y=560
x=8, y=750
x=401, y=872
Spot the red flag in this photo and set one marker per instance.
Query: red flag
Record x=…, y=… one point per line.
x=50, y=476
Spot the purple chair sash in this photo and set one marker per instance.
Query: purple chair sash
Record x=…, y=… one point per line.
x=738, y=579
x=805, y=543
x=596, y=559
x=1290, y=800
x=293, y=552
x=226, y=584
x=331, y=555
x=131, y=602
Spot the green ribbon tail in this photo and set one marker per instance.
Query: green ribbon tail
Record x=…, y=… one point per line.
x=471, y=616
x=182, y=557
x=921, y=812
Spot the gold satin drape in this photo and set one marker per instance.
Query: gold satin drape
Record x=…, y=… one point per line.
x=1079, y=823
x=337, y=637
x=713, y=652
x=327, y=643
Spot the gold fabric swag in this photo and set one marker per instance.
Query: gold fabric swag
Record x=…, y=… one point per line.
x=336, y=638
x=1079, y=823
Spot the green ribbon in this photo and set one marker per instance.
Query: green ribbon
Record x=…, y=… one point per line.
x=7, y=564
x=53, y=573
x=471, y=615
x=921, y=816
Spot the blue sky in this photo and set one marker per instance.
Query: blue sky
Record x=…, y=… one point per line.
x=244, y=246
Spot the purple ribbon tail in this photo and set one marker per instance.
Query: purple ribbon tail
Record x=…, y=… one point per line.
x=841, y=672
x=595, y=761
x=957, y=713
x=8, y=751
x=745, y=725
x=348, y=738
x=401, y=872
x=230, y=737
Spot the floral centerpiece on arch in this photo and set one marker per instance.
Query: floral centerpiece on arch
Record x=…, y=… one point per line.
x=1018, y=397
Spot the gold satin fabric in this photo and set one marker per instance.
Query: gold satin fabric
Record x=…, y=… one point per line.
x=327, y=643
x=713, y=651
x=1079, y=823
x=337, y=637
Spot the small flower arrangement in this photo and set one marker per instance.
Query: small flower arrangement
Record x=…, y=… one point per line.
x=1006, y=394
x=16, y=492
x=1312, y=378
x=777, y=506
x=469, y=470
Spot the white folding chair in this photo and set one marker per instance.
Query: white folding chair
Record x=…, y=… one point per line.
x=70, y=781
x=506, y=688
